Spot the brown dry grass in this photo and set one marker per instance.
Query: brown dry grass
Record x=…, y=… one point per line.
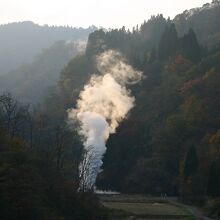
x=127, y=207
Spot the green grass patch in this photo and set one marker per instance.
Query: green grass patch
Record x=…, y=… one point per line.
x=143, y=208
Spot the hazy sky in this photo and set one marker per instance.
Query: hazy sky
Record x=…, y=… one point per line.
x=105, y=13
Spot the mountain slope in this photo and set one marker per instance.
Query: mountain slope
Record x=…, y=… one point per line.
x=204, y=21
x=21, y=41
x=30, y=82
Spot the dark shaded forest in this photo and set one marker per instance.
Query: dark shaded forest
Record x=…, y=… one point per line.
x=169, y=143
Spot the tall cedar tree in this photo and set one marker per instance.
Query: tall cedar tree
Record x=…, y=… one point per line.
x=190, y=47
x=191, y=162
x=169, y=43
x=213, y=188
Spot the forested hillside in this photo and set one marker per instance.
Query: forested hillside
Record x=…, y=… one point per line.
x=203, y=20
x=38, y=167
x=30, y=83
x=20, y=42
x=169, y=143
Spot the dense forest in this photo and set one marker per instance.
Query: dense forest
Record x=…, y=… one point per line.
x=203, y=20
x=168, y=144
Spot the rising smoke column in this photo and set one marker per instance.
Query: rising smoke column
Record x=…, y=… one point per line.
x=102, y=105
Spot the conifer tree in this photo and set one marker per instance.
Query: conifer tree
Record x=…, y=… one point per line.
x=190, y=46
x=168, y=45
x=191, y=162
x=213, y=188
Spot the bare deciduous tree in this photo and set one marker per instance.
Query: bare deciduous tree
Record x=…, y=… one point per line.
x=86, y=170
x=13, y=114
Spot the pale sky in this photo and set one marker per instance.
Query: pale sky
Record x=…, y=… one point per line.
x=105, y=13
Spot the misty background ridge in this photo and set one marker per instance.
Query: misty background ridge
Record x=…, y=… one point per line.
x=132, y=111
x=20, y=42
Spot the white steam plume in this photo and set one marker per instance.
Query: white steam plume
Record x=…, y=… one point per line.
x=102, y=105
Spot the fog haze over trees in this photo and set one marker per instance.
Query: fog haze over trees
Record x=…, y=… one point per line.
x=169, y=143
x=20, y=42
x=31, y=82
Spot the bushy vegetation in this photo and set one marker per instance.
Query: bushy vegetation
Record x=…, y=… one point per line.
x=39, y=168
